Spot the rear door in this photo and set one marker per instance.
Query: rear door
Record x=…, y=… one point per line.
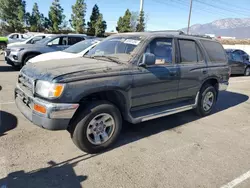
x=193, y=68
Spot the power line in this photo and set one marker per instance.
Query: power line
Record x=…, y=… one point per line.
x=220, y=8
x=233, y=5
x=182, y=4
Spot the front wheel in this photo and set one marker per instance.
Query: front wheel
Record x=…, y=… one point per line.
x=206, y=101
x=247, y=71
x=96, y=127
x=27, y=59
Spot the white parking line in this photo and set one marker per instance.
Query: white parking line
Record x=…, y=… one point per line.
x=237, y=181
x=11, y=102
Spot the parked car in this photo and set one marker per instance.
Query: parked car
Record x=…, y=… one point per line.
x=17, y=37
x=134, y=77
x=77, y=50
x=3, y=43
x=31, y=40
x=19, y=55
x=238, y=61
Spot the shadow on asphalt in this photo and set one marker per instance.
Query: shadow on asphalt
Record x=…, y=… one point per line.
x=7, y=122
x=57, y=175
x=132, y=133
x=63, y=175
x=7, y=69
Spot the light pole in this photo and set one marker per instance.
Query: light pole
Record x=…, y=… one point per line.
x=141, y=5
x=189, y=17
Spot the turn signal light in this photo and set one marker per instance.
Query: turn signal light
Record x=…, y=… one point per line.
x=58, y=90
x=39, y=108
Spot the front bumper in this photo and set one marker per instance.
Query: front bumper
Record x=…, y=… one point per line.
x=57, y=116
x=12, y=58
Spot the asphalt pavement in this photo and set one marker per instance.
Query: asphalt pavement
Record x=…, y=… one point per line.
x=177, y=151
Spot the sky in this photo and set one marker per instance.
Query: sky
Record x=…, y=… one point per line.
x=161, y=14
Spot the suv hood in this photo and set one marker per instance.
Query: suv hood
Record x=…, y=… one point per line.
x=66, y=70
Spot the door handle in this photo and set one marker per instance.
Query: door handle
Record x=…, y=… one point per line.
x=173, y=73
x=204, y=71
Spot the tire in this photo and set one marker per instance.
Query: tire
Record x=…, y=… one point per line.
x=210, y=92
x=247, y=71
x=84, y=122
x=27, y=59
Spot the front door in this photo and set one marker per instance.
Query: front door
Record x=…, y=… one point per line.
x=158, y=83
x=193, y=68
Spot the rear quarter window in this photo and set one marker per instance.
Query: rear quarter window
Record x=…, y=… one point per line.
x=215, y=51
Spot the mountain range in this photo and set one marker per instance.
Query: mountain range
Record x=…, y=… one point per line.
x=231, y=27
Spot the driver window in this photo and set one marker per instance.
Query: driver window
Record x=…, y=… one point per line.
x=55, y=41
x=15, y=36
x=237, y=57
x=162, y=49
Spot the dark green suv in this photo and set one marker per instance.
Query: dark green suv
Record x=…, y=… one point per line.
x=132, y=77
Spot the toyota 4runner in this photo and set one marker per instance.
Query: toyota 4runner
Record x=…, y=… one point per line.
x=134, y=77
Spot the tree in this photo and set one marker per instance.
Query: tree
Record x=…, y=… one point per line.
x=123, y=24
x=141, y=23
x=12, y=12
x=93, y=19
x=46, y=23
x=78, y=16
x=100, y=26
x=56, y=16
x=36, y=19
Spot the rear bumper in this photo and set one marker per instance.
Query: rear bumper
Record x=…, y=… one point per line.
x=57, y=116
x=223, y=86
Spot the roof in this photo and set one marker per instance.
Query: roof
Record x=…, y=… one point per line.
x=233, y=50
x=170, y=33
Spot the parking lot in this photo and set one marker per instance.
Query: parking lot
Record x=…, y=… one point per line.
x=181, y=150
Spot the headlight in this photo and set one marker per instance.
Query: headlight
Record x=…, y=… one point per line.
x=17, y=49
x=48, y=90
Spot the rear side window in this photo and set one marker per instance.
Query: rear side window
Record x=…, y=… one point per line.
x=189, y=51
x=215, y=51
x=74, y=40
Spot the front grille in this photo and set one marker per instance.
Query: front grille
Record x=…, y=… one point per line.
x=24, y=99
x=26, y=83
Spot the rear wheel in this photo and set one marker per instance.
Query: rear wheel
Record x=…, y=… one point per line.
x=96, y=127
x=247, y=71
x=206, y=101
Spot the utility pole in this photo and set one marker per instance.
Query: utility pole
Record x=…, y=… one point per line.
x=141, y=5
x=189, y=17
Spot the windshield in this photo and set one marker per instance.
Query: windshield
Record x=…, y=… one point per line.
x=45, y=40
x=116, y=45
x=80, y=46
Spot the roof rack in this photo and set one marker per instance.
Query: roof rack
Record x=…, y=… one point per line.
x=179, y=32
x=201, y=36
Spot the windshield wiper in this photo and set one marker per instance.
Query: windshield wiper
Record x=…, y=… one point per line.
x=111, y=58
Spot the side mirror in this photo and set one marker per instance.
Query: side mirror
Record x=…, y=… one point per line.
x=50, y=44
x=148, y=59
x=247, y=57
